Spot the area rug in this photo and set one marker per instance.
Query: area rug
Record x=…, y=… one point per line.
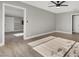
x=52, y=46
x=18, y=34
x=41, y=41
x=74, y=52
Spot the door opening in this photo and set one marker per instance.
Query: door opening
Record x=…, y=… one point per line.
x=75, y=24
x=14, y=21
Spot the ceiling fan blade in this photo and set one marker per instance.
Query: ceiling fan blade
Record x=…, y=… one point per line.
x=53, y=2
x=51, y=6
x=62, y=2
x=64, y=5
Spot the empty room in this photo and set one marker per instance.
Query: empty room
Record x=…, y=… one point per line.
x=13, y=18
x=39, y=29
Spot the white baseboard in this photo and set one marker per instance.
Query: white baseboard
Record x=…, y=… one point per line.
x=38, y=35
x=46, y=34
x=64, y=32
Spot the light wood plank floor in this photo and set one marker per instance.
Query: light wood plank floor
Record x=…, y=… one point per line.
x=17, y=47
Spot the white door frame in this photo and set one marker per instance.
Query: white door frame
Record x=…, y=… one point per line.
x=72, y=21
x=3, y=16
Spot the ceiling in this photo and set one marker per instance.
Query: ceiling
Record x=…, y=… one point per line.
x=73, y=6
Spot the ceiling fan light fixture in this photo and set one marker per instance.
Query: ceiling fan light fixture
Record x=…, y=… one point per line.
x=58, y=4
x=57, y=7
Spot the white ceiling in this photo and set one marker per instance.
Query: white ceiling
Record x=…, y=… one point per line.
x=73, y=6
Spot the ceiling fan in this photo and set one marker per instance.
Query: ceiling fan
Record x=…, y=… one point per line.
x=58, y=4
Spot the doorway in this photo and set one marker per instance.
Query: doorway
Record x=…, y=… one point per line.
x=14, y=19
x=75, y=24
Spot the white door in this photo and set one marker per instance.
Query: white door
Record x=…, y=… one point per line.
x=76, y=24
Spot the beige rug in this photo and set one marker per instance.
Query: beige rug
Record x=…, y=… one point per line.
x=41, y=41
x=18, y=34
x=54, y=48
x=74, y=52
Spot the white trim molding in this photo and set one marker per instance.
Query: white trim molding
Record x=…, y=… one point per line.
x=26, y=38
x=18, y=7
x=3, y=21
x=64, y=32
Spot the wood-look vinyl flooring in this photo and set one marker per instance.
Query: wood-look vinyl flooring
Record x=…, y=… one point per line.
x=17, y=46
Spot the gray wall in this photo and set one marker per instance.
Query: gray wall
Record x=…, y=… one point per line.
x=40, y=21
x=14, y=11
x=64, y=22
x=9, y=24
x=13, y=24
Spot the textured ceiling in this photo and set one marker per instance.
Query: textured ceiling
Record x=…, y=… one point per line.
x=73, y=6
